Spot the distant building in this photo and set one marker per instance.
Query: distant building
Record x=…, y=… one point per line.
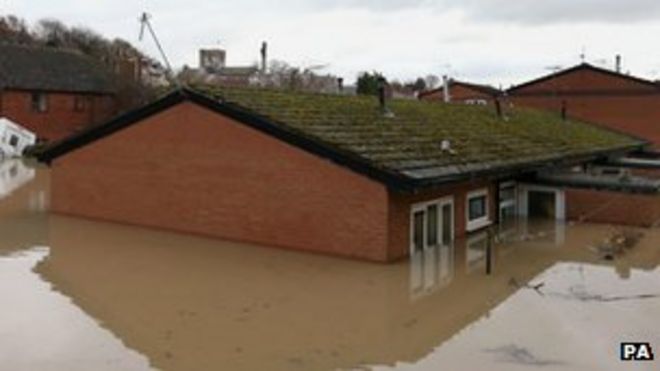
x=606, y=97
x=356, y=176
x=53, y=92
x=213, y=70
x=141, y=70
x=454, y=91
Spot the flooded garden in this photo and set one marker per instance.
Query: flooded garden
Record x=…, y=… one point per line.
x=77, y=294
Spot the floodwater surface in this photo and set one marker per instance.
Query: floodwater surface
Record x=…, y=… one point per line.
x=84, y=295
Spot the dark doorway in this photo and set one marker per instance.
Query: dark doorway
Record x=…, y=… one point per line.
x=542, y=204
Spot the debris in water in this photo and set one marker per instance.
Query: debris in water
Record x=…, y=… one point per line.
x=513, y=282
x=617, y=243
x=516, y=354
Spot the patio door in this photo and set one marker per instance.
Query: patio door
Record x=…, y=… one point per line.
x=431, y=224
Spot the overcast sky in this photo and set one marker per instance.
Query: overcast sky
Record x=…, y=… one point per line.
x=500, y=42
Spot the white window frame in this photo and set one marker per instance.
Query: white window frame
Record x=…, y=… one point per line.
x=484, y=221
x=560, y=199
x=508, y=203
x=423, y=206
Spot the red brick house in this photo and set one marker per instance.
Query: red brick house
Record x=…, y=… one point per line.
x=324, y=173
x=53, y=92
x=462, y=92
x=617, y=101
x=622, y=102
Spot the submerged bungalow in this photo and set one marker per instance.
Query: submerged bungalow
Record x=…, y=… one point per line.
x=324, y=173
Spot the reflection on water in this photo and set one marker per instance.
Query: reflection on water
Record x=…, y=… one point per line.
x=176, y=302
x=13, y=174
x=41, y=329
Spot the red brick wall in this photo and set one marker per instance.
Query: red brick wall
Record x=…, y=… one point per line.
x=190, y=170
x=61, y=119
x=612, y=208
x=600, y=98
x=400, y=206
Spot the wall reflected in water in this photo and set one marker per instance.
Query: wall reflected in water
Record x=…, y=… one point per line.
x=188, y=303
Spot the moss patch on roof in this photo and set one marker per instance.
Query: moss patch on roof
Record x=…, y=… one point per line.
x=409, y=142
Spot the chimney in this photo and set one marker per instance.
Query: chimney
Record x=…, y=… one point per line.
x=264, y=56
x=340, y=84
x=382, y=98
x=618, y=63
x=445, y=89
x=381, y=94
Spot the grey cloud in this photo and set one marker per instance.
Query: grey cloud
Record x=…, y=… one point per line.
x=557, y=11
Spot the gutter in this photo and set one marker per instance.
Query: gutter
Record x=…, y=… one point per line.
x=522, y=169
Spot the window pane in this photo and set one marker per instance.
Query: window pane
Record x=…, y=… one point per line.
x=39, y=102
x=418, y=230
x=432, y=225
x=446, y=224
x=477, y=207
x=507, y=194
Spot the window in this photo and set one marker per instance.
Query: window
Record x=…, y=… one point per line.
x=447, y=223
x=431, y=224
x=477, y=210
x=39, y=102
x=476, y=102
x=418, y=231
x=13, y=141
x=508, y=202
x=79, y=103
x=477, y=207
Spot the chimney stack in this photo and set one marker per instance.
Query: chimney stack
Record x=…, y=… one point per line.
x=340, y=84
x=445, y=89
x=264, y=56
x=618, y=63
x=382, y=98
x=381, y=94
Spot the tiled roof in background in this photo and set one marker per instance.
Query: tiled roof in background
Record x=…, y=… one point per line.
x=50, y=69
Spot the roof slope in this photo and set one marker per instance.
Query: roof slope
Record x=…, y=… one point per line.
x=410, y=142
x=633, y=82
x=49, y=69
x=406, y=147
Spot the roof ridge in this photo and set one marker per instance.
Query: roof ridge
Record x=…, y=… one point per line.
x=577, y=67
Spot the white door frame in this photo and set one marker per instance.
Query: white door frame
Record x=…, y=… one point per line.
x=560, y=199
x=423, y=207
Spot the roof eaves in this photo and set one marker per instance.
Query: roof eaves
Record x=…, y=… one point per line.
x=500, y=172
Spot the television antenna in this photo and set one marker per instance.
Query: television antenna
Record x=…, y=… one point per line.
x=145, y=24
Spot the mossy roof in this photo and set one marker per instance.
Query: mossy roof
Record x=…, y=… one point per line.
x=402, y=150
x=408, y=142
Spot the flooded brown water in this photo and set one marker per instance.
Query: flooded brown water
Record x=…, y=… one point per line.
x=84, y=295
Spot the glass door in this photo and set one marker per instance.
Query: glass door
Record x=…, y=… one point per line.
x=432, y=224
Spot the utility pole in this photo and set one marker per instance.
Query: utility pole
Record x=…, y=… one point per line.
x=146, y=24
